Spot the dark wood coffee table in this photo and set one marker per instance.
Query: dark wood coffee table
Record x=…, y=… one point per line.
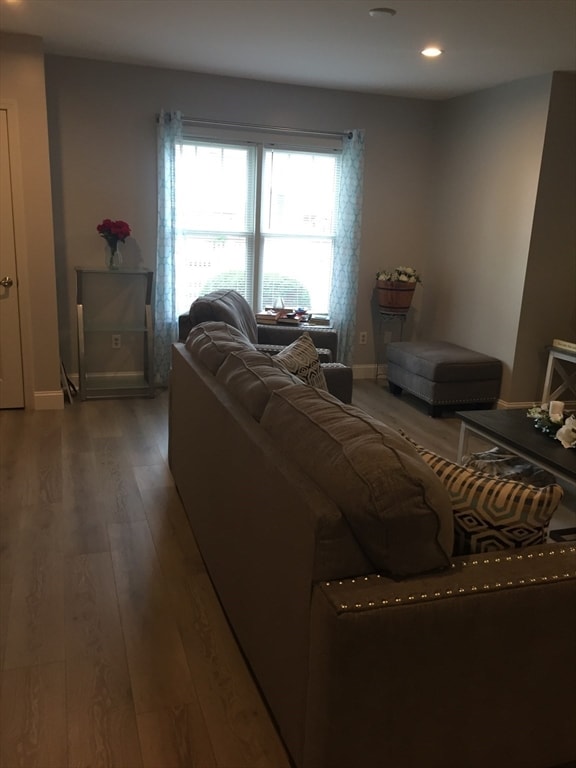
x=514, y=431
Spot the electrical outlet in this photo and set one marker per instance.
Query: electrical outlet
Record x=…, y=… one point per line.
x=363, y=337
x=116, y=341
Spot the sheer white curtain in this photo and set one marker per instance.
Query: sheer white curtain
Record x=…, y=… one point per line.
x=344, y=291
x=346, y=257
x=165, y=319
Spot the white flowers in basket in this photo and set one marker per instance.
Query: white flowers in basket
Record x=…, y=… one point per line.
x=399, y=275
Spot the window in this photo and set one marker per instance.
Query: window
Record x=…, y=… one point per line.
x=256, y=218
x=212, y=222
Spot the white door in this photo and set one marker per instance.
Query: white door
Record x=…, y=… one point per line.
x=11, y=378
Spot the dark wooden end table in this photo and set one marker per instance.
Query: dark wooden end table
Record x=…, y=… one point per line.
x=515, y=431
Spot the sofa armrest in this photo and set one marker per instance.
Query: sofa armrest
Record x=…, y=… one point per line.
x=475, y=662
x=184, y=327
x=339, y=380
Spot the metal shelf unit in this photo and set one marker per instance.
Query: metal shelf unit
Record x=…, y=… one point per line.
x=114, y=303
x=385, y=317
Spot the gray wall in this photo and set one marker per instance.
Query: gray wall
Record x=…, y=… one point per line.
x=505, y=229
x=103, y=139
x=489, y=154
x=549, y=300
x=451, y=188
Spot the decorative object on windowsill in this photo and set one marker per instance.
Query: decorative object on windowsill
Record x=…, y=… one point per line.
x=114, y=232
x=395, y=288
x=552, y=419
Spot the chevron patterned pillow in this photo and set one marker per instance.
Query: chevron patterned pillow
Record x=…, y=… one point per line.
x=491, y=513
x=301, y=359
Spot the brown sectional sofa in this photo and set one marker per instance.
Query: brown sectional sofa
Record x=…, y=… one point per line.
x=328, y=541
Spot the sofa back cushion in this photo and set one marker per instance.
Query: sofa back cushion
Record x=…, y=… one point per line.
x=225, y=306
x=397, y=509
x=211, y=343
x=250, y=376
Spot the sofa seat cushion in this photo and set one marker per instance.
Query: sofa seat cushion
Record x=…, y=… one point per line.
x=301, y=358
x=250, y=376
x=491, y=513
x=398, y=511
x=212, y=342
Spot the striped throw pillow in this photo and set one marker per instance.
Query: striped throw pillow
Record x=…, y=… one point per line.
x=491, y=513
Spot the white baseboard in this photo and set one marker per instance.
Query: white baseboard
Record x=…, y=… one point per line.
x=49, y=401
x=569, y=405
x=368, y=371
x=365, y=371
x=505, y=404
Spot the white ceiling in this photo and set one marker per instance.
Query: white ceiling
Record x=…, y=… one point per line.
x=327, y=43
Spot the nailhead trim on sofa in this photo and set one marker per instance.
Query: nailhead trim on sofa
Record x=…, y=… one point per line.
x=429, y=596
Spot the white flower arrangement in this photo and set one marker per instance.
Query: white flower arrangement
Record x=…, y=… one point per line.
x=551, y=419
x=567, y=433
x=399, y=275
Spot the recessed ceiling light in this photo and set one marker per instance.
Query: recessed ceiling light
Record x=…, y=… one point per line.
x=432, y=52
x=382, y=12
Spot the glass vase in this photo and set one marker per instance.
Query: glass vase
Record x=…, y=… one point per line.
x=114, y=260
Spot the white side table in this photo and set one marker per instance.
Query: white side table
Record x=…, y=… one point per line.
x=558, y=362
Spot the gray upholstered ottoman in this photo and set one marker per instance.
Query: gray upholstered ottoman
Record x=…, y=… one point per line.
x=442, y=374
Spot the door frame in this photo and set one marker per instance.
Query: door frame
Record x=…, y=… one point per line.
x=21, y=247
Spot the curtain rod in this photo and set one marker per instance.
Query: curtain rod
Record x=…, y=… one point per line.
x=273, y=128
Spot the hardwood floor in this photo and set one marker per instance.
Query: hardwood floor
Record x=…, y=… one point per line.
x=114, y=649
x=113, y=646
